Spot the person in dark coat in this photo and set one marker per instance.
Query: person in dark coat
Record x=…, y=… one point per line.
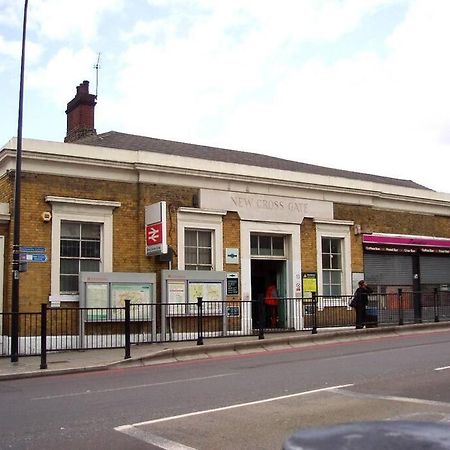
x=361, y=301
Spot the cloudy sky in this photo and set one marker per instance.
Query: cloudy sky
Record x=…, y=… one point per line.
x=354, y=84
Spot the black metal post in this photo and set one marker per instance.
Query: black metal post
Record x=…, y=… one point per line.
x=262, y=313
x=127, y=330
x=400, y=307
x=43, y=336
x=314, y=305
x=417, y=293
x=16, y=238
x=435, y=305
x=200, y=321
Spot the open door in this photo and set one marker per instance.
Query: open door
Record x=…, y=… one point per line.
x=264, y=271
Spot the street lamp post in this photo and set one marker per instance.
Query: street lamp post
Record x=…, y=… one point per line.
x=17, y=192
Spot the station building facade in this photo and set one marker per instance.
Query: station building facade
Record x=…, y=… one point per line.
x=255, y=217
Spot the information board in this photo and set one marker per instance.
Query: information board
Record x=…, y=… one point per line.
x=180, y=290
x=108, y=291
x=97, y=297
x=210, y=292
x=232, y=283
x=138, y=294
x=176, y=296
x=309, y=284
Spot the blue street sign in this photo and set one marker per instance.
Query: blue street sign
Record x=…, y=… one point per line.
x=38, y=257
x=33, y=249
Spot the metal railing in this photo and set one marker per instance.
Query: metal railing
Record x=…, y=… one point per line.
x=56, y=329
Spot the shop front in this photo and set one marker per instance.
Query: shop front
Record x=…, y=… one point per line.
x=418, y=265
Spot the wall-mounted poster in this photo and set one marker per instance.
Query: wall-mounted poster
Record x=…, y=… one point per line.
x=139, y=296
x=176, y=297
x=232, y=283
x=210, y=292
x=97, y=297
x=309, y=283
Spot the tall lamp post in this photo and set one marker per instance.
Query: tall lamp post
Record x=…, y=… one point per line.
x=17, y=192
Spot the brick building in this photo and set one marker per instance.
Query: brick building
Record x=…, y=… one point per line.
x=305, y=227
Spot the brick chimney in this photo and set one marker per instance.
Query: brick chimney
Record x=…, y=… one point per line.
x=80, y=114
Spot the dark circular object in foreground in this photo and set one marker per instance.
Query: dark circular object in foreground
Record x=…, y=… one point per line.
x=391, y=435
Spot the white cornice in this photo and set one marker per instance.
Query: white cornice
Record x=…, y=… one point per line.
x=148, y=167
x=346, y=223
x=82, y=201
x=187, y=210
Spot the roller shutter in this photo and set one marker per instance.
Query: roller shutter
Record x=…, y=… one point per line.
x=434, y=269
x=382, y=269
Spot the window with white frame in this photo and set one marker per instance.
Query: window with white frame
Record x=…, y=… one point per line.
x=334, y=270
x=198, y=249
x=80, y=251
x=199, y=239
x=332, y=266
x=266, y=245
x=82, y=240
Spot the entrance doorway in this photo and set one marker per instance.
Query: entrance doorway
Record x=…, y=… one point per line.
x=263, y=273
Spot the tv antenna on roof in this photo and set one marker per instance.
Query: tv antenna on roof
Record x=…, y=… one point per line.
x=96, y=67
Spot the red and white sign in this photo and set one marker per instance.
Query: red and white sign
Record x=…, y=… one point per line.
x=155, y=229
x=154, y=233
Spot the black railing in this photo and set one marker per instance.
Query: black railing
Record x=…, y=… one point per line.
x=56, y=329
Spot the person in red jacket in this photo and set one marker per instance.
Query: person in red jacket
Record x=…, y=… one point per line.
x=271, y=302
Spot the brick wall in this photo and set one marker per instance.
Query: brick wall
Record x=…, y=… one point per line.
x=308, y=246
x=128, y=225
x=232, y=239
x=128, y=231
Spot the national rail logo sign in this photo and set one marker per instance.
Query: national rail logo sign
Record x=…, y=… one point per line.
x=154, y=233
x=155, y=229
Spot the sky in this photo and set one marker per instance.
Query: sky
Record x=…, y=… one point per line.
x=360, y=85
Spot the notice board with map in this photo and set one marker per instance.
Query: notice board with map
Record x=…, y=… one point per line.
x=182, y=288
x=139, y=295
x=211, y=294
x=104, y=293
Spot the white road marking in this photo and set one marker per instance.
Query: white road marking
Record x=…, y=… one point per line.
x=225, y=408
x=442, y=368
x=393, y=398
x=153, y=439
x=127, y=388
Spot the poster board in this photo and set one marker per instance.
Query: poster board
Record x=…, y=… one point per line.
x=109, y=290
x=309, y=286
x=138, y=294
x=210, y=292
x=180, y=290
x=176, y=297
x=97, y=297
x=232, y=283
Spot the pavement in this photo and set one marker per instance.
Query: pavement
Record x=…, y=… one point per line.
x=64, y=362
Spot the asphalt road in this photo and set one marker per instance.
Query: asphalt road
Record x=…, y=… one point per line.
x=234, y=402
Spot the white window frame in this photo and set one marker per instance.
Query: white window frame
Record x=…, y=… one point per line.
x=80, y=210
x=271, y=256
x=339, y=230
x=195, y=219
